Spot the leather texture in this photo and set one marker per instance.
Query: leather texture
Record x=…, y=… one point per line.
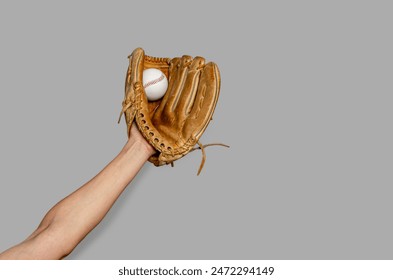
x=174, y=124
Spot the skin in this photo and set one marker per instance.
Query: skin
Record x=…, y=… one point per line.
x=72, y=218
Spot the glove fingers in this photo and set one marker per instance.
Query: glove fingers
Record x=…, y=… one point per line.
x=128, y=78
x=137, y=57
x=134, y=72
x=187, y=97
x=205, y=101
x=177, y=85
x=172, y=83
x=136, y=62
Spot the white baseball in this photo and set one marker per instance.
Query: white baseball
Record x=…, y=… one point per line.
x=155, y=83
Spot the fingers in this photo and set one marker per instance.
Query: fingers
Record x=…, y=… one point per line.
x=179, y=80
x=183, y=83
x=133, y=73
x=205, y=100
x=135, y=63
x=191, y=95
x=187, y=97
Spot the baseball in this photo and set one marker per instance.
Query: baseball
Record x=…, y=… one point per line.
x=155, y=84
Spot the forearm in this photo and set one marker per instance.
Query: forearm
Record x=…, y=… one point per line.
x=86, y=207
x=80, y=212
x=70, y=220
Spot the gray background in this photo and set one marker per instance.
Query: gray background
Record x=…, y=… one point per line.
x=306, y=105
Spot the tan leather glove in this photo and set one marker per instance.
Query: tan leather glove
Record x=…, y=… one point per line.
x=173, y=124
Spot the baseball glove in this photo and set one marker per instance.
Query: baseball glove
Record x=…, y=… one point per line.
x=174, y=124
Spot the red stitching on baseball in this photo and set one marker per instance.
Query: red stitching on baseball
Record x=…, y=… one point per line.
x=153, y=82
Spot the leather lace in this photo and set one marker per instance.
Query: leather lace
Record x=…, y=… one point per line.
x=202, y=148
x=125, y=107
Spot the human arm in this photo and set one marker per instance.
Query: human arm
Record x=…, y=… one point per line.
x=71, y=219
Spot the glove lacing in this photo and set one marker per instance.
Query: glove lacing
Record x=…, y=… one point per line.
x=202, y=148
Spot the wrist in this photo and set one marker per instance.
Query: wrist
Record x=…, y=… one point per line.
x=136, y=145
